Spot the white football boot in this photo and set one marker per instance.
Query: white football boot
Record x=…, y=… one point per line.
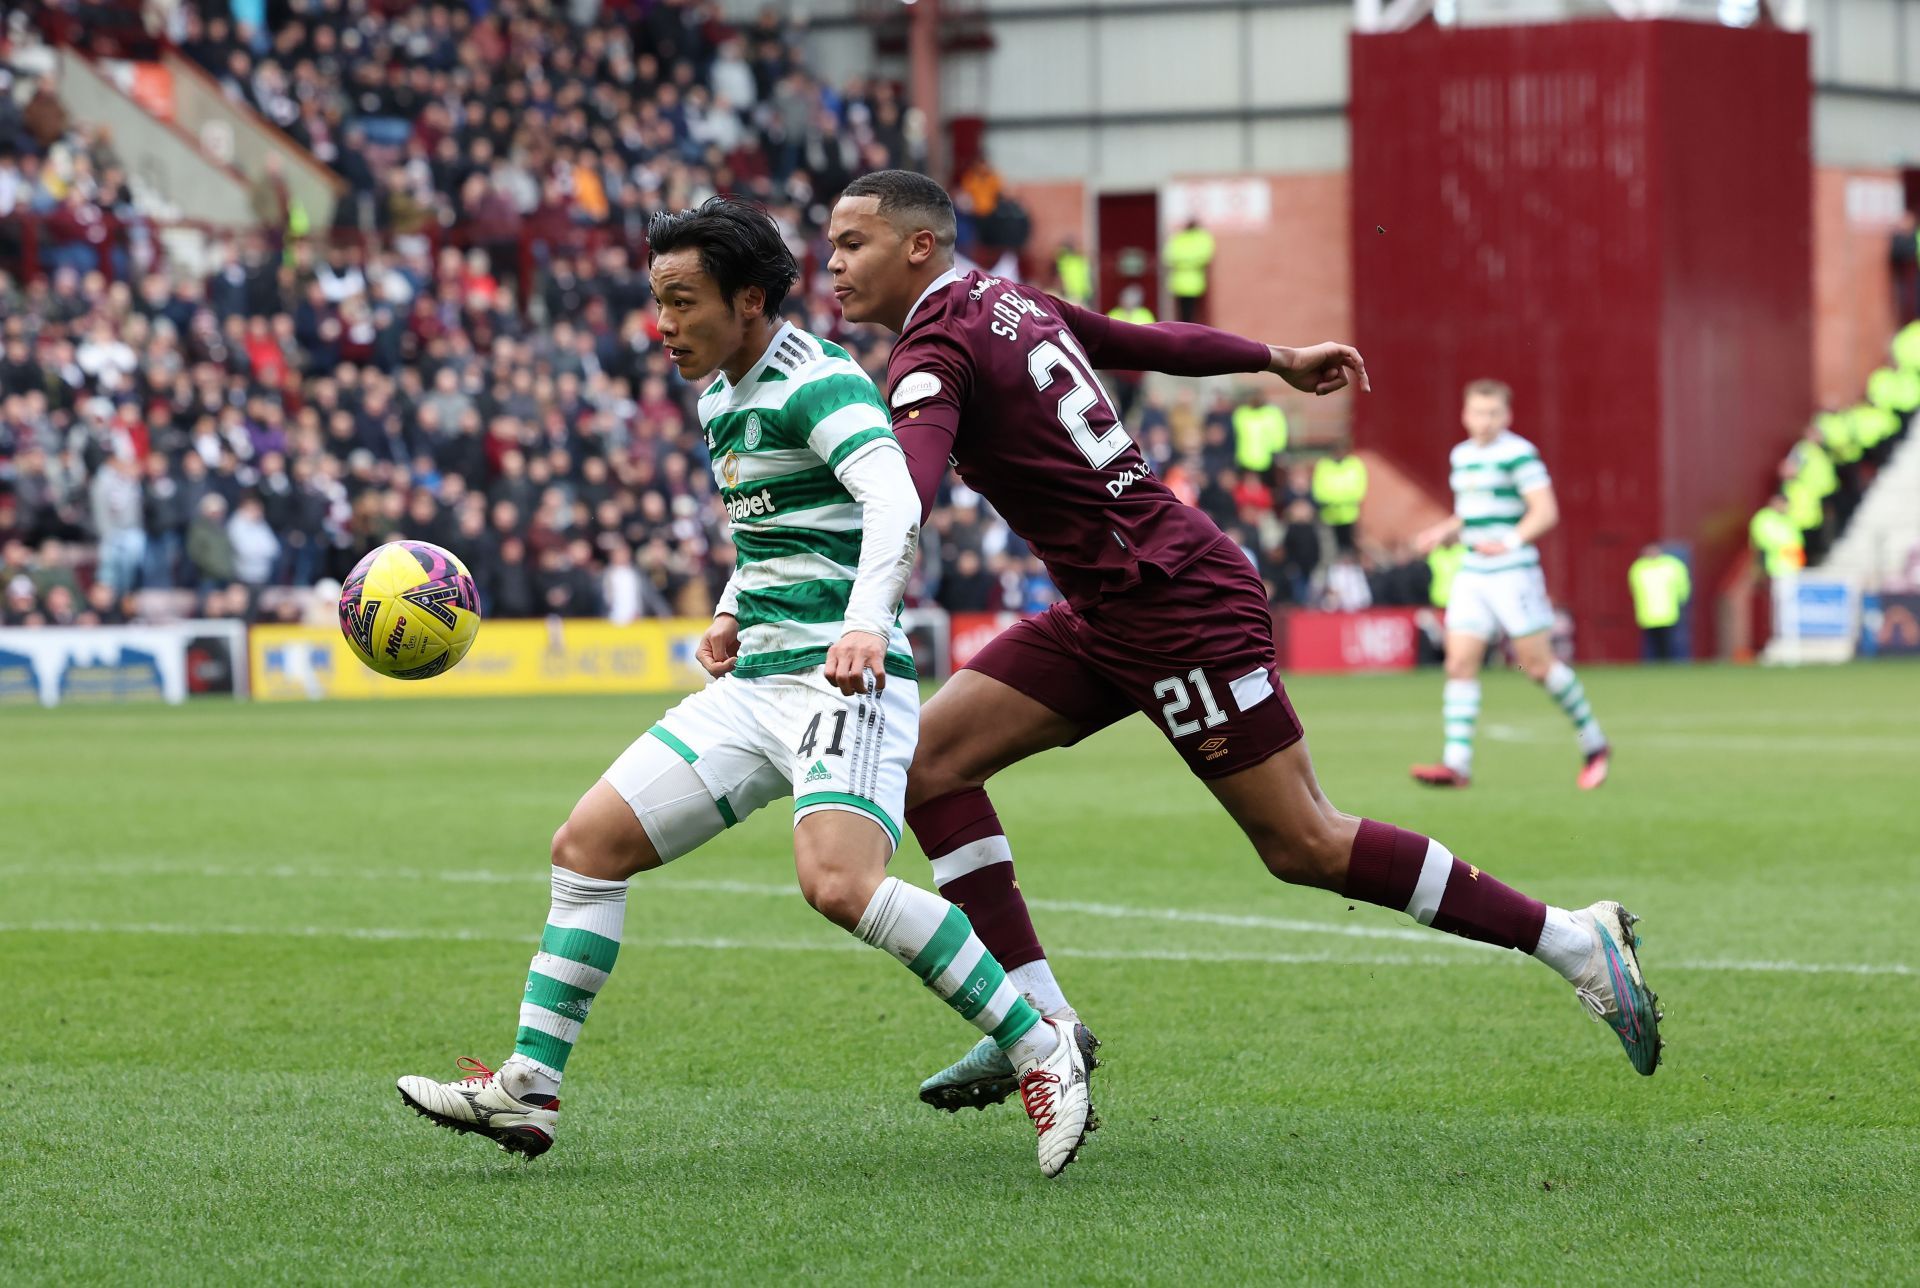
x=1055, y=1094
x=1612, y=988
x=984, y=1075
x=478, y=1103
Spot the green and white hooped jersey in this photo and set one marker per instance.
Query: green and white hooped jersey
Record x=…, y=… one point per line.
x=1489, y=484
x=778, y=440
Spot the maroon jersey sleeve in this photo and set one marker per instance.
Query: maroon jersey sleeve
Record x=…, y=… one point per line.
x=930, y=379
x=988, y=372
x=1176, y=348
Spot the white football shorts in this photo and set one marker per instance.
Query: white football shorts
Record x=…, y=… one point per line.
x=752, y=741
x=1512, y=602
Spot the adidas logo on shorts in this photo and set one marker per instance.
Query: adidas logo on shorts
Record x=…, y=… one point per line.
x=818, y=774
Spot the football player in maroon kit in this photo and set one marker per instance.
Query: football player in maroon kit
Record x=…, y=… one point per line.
x=1162, y=614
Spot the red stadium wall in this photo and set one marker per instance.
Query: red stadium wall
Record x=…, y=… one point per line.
x=1853, y=282
x=1614, y=218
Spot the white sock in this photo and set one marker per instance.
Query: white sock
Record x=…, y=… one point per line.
x=522, y=1078
x=1036, y=980
x=1460, y=711
x=934, y=940
x=1564, y=687
x=577, y=951
x=1565, y=944
x=1037, y=1043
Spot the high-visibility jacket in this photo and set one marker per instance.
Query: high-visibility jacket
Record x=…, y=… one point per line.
x=1259, y=435
x=1660, y=586
x=1814, y=467
x=1443, y=562
x=1894, y=388
x=1777, y=538
x=1836, y=431
x=1076, y=277
x=1873, y=425
x=1803, y=504
x=1906, y=347
x=1188, y=255
x=1338, y=488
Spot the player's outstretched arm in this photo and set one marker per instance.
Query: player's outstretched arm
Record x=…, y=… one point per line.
x=878, y=479
x=1184, y=349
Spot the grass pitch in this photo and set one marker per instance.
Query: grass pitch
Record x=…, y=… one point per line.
x=224, y=930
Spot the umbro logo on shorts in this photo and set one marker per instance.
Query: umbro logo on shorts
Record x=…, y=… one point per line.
x=1214, y=748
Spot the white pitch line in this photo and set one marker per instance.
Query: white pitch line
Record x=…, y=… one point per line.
x=398, y=934
x=1252, y=921
x=695, y=885
x=1733, y=742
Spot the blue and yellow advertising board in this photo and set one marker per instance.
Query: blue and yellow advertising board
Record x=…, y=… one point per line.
x=298, y=663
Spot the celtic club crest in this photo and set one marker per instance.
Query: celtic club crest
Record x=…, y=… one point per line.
x=753, y=430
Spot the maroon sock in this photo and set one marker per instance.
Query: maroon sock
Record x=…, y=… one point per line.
x=973, y=867
x=1409, y=873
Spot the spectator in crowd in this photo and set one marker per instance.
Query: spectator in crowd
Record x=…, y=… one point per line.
x=1303, y=553
x=209, y=546
x=1661, y=589
x=255, y=549
x=118, y=522
x=968, y=587
x=1131, y=308
x=1775, y=538
x=1443, y=565
x=1339, y=488
x=1347, y=588
x=1073, y=276
x=1188, y=259
x=1798, y=484
x=1259, y=432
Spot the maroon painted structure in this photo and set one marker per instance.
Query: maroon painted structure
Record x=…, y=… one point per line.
x=1616, y=219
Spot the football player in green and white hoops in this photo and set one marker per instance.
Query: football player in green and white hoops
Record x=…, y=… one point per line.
x=1502, y=504
x=826, y=520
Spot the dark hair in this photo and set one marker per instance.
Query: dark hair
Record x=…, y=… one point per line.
x=738, y=244
x=906, y=196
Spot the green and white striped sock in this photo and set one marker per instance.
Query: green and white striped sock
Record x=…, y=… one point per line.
x=1564, y=687
x=1459, y=712
x=937, y=943
x=577, y=950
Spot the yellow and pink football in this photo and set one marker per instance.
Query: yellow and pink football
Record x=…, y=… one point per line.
x=410, y=610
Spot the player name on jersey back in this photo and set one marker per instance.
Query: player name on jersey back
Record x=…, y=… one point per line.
x=1038, y=435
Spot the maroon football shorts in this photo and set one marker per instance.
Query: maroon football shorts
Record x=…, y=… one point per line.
x=1194, y=652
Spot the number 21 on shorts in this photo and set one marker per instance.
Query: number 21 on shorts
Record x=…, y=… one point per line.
x=1177, y=695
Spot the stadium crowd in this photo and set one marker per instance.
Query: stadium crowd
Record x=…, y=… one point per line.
x=1825, y=474
x=171, y=443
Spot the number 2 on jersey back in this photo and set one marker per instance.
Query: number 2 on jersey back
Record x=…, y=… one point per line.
x=1047, y=357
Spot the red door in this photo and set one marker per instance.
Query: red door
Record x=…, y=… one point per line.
x=1127, y=233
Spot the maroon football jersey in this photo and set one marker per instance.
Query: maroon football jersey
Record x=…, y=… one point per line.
x=999, y=379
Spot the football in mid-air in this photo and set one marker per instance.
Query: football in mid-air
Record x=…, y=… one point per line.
x=410, y=610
